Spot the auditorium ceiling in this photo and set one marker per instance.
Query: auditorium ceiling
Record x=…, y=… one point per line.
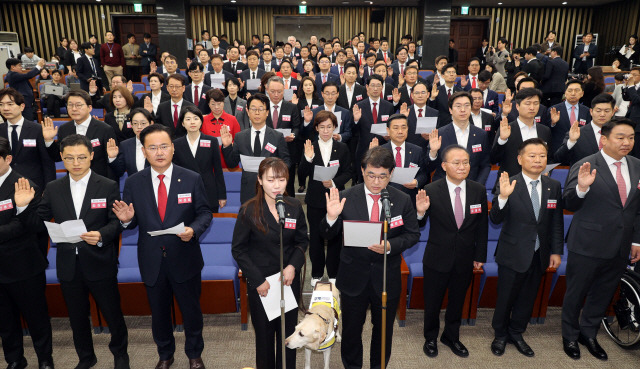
x=373, y=3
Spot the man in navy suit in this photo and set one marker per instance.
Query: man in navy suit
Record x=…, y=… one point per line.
x=20, y=82
x=564, y=114
x=170, y=264
x=252, y=71
x=419, y=109
x=86, y=67
x=345, y=119
x=325, y=75
x=195, y=92
x=555, y=75
x=440, y=94
x=585, y=54
x=267, y=63
x=490, y=97
x=148, y=52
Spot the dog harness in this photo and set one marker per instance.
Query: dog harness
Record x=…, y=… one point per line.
x=326, y=298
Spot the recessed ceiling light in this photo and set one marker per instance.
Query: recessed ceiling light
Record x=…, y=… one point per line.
x=233, y=1
x=304, y=2
x=564, y=3
x=499, y=3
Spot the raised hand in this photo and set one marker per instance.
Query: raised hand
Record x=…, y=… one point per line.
x=400, y=80
x=555, y=116
x=505, y=129
x=342, y=80
x=93, y=87
x=434, y=89
x=41, y=63
x=123, y=211
x=357, y=113
x=112, y=148
x=226, y=137
x=130, y=86
x=506, y=188
x=373, y=143
x=586, y=176
x=148, y=105
x=436, y=80
x=49, y=131
x=361, y=71
x=464, y=81
x=435, y=142
x=308, y=149
x=574, y=132
x=188, y=61
x=334, y=204
x=396, y=96
x=153, y=67
x=508, y=95
x=507, y=106
x=404, y=109
x=24, y=193
x=422, y=202
x=308, y=114
x=312, y=75
x=294, y=99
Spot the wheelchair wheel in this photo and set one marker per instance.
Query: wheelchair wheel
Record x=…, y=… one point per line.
x=624, y=325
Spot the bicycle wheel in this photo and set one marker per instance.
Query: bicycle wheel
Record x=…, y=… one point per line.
x=624, y=325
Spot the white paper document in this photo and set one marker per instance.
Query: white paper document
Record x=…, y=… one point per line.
x=217, y=81
x=426, y=124
x=288, y=94
x=404, y=175
x=253, y=84
x=251, y=163
x=286, y=132
x=271, y=303
x=361, y=234
x=66, y=232
x=549, y=167
x=338, y=115
x=173, y=230
x=379, y=129
x=488, y=111
x=324, y=173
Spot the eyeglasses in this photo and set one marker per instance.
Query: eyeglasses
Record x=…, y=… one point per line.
x=139, y=124
x=420, y=92
x=375, y=86
x=373, y=177
x=153, y=149
x=173, y=87
x=460, y=106
x=458, y=163
x=257, y=110
x=71, y=159
x=75, y=106
x=330, y=93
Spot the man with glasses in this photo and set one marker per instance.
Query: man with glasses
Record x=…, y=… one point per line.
x=360, y=272
x=196, y=91
x=345, y=120
x=410, y=79
x=258, y=141
x=169, y=111
x=470, y=80
x=480, y=118
x=440, y=94
x=325, y=74
x=82, y=123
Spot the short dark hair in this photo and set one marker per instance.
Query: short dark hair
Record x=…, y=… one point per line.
x=11, y=62
x=215, y=95
x=195, y=65
x=574, y=82
x=56, y=71
x=440, y=57
x=558, y=50
x=459, y=94
x=395, y=117
x=619, y=77
x=146, y=35
x=76, y=140
x=477, y=90
x=13, y=94
x=527, y=79
x=129, y=35
x=503, y=40
x=322, y=116
x=518, y=50
x=603, y=98
x=475, y=58
x=323, y=56
x=5, y=148
x=350, y=65
x=233, y=80
x=177, y=77
x=378, y=157
x=123, y=79
x=84, y=95
x=450, y=148
x=532, y=141
x=193, y=110
x=252, y=53
x=260, y=97
x=203, y=32
x=526, y=93
x=484, y=76
x=369, y=55
x=143, y=111
x=616, y=121
x=377, y=77
x=330, y=84
x=159, y=76
x=531, y=50
x=266, y=49
x=449, y=65
x=28, y=49
x=153, y=129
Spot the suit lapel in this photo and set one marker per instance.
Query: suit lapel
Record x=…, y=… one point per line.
x=151, y=196
x=363, y=211
x=634, y=181
x=91, y=130
x=447, y=202
x=92, y=187
x=66, y=192
x=590, y=137
x=523, y=192
x=268, y=135
x=604, y=170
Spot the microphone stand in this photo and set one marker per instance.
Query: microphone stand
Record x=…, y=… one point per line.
x=383, y=339
x=282, y=333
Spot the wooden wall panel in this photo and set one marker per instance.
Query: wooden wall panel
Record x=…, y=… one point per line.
x=40, y=25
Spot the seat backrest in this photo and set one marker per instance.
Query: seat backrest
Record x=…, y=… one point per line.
x=415, y=253
x=130, y=237
x=491, y=180
x=128, y=256
x=494, y=231
x=138, y=86
x=232, y=181
x=491, y=251
x=215, y=242
x=145, y=80
x=51, y=256
x=424, y=232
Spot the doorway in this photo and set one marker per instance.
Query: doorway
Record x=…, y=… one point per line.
x=136, y=24
x=467, y=34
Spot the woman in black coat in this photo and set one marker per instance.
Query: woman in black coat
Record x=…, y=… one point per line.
x=122, y=102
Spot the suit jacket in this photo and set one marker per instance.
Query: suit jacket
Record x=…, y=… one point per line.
x=489, y=125
x=360, y=266
x=345, y=122
x=121, y=135
x=163, y=97
x=330, y=78
x=206, y=162
x=412, y=120
x=413, y=156
x=227, y=76
x=164, y=116
x=274, y=65
x=126, y=159
x=98, y=262
x=202, y=101
x=507, y=154
x=20, y=256
x=20, y=82
x=84, y=71
x=258, y=253
x=632, y=95
x=564, y=124
x=543, y=117
x=516, y=245
x=482, y=55
x=287, y=111
x=363, y=127
x=449, y=248
x=335, y=69
x=381, y=53
x=33, y=160
x=240, y=66
x=545, y=46
x=240, y=113
x=602, y=227
x=316, y=190
x=148, y=53
x=405, y=96
x=359, y=94
x=492, y=102
x=245, y=76
x=555, y=76
x=478, y=147
x=243, y=145
x=581, y=66
x=441, y=103
x=585, y=146
x=99, y=134
x=535, y=69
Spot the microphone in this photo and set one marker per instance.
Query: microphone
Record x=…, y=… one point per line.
x=386, y=204
x=280, y=206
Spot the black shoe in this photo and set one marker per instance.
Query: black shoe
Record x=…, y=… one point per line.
x=594, y=347
x=571, y=348
x=498, y=346
x=522, y=347
x=21, y=364
x=456, y=347
x=122, y=362
x=430, y=348
x=46, y=365
x=301, y=189
x=87, y=364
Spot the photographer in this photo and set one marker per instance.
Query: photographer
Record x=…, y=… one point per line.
x=629, y=54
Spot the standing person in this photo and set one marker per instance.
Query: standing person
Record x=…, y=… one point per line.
x=132, y=56
x=529, y=207
x=550, y=43
x=111, y=57
x=360, y=272
x=22, y=270
x=554, y=78
x=440, y=94
x=148, y=54
x=235, y=105
x=122, y=102
x=256, y=249
x=585, y=54
x=90, y=265
x=170, y=265
x=564, y=114
x=20, y=82
x=499, y=58
x=457, y=244
x=601, y=191
x=153, y=99
x=128, y=156
x=169, y=111
x=196, y=91
x=213, y=122
x=86, y=67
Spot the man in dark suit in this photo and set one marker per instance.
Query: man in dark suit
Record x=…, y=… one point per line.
x=20, y=82
x=367, y=69
x=490, y=98
x=400, y=64
x=169, y=111
x=440, y=94
x=267, y=63
x=148, y=52
x=461, y=132
x=350, y=93
x=218, y=47
x=419, y=109
x=585, y=54
x=86, y=67
x=410, y=80
x=232, y=65
x=98, y=133
x=529, y=207
x=360, y=272
x=169, y=265
x=482, y=52
x=440, y=62
x=512, y=114
x=22, y=270
x=195, y=92
x=531, y=64
x=217, y=65
x=91, y=264
x=601, y=190
x=564, y=114
x=510, y=135
x=631, y=93
x=324, y=75
x=457, y=209
x=345, y=119
x=582, y=141
x=471, y=80
x=480, y=118
x=258, y=141
x=555, y=75
x=251, y=73
x=383, y=53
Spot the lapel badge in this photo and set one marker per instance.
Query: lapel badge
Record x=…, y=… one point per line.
x=474, y=135
x=288, y=214
x=178, y=179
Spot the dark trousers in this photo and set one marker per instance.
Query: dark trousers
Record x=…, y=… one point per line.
x=434, y=288
x=187, y=295
x=294, y=157
x=268, y=354
x=105, y=292
x=146, y=69
x=552, y=98
x=316, y=246
x=593, y=278
x=355, y=164
x=302, y=178
x=354, y=314
x=516, y=295
x=25, y=297
x=53, y=105
x=29, y=110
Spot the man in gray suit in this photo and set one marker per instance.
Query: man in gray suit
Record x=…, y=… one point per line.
x=603, y=191
x=258, y=141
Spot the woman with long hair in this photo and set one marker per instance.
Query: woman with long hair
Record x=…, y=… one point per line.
x=256, y=249
x=122, y=102
x=128, y=155
x=593, y=85
x=307, y=95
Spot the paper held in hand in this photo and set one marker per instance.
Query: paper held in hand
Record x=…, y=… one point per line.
x=251, y=163
x=178, y=229
x=253, y=84
x=217, y=81
x=338, y=115
x=361, y=234
x=324, y=173
x=66, y=232
x=286, y=132
x=271, y=302
x=379, y=129
x=548, y=168
x=404, y=175
x=288, y=94
x=426, y=124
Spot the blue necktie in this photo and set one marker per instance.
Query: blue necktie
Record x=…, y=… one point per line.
x=535, y=202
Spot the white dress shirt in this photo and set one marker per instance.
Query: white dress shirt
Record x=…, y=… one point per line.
x=155, y=101
x=279, y=105
x=82, y=127
x=525, y=131
x=350, y=92
x=139, y=155
x=253, y=135
x=624, y=168
x=416, y=108
x=325, y=150
x=462, y=135
x=18, y=129
x=78, y=190
x=193, y=146
x=452, y=194
x=527, y=182
x=477, y=119
x=394, y=150
x=156, y=181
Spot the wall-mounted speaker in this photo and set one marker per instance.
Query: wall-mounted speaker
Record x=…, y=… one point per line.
x=377, y=15
x=230, y=14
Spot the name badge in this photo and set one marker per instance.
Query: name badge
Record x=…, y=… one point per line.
x=487, y=128
x=537, y=119
x=359, y=97
x=239, y=108
x=95, y=142
x=29, y=143
x=6, y=205
x=204, y=96
x=294, y=88
x=413, y=165
x=238, y=71
x=290, y=223
x=334, y=163
x=384, y=117
x=389, y=97
x=396, y=222
x=639, y=185
x=551, y=204
x=491, y=102
x=270, y=148
x=184, y=198
x=476, y=148
x=129, y=125
x=205, y=143
x=583, y=122
x=314, y=106
x=98, y=203
x=286, y=118
x=475, y=209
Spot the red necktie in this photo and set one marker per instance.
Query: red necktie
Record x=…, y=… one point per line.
x=473, y=83
x=572, y=118
x=324, y=78
x=622, y=187
x=374, y=111
x=375, y=209
x=600, y=140
x=402, y=69
x=162, y=197
x=448, y=92
x=341, y=71
x=215, y=52
x=419, y=113
x=385, y=57
x=274, y=116
x=196, y=95
x=398, y=157
x=175, y=115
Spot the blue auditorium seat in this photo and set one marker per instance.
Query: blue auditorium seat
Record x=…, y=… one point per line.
x=425, y=73
x=128, y=270
x=145, y=80
x=232, y=181
x=98, y=113
x=137, y=86
x=490, y=183
x=560, y=174
x=413, y=258
x=490, y=267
